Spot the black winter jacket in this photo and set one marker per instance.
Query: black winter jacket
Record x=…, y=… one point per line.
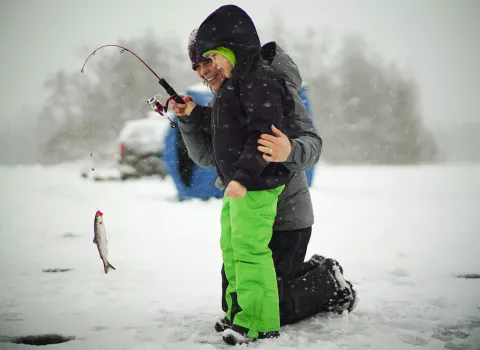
x=294, y=208
x=247, y=104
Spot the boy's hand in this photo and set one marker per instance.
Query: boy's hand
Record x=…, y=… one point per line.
x=236, y=190
x=182, y=110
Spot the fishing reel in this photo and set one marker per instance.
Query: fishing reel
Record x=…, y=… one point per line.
x=161, y=109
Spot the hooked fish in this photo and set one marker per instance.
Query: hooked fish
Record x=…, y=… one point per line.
x=100, y=239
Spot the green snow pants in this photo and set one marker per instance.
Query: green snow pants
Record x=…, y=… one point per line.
x=252, y=293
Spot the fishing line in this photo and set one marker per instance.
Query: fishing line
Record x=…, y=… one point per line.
x=89, y=121
x=153, y=102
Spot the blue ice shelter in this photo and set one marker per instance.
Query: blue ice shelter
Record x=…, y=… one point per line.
x=191, y=180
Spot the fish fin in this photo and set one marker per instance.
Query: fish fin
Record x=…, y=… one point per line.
x=108, y=267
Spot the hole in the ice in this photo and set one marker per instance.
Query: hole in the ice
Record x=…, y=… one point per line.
x=56, y=270
x=70, y=235
x=42, y=339
x=469, y=275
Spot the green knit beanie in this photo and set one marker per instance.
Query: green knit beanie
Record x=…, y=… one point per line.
x=227, y=53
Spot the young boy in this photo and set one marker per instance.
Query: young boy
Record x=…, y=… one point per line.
x=250, y=99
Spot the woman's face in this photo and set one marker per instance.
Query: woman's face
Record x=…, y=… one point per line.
x=221, y=63
x=209, y=73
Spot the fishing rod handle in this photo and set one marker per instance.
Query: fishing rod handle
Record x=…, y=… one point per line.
x=170, y=91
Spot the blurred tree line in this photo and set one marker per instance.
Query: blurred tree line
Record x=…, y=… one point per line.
x=366, y=111
x=84, y=113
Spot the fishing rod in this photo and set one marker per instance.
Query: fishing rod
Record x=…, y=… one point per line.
x=153, y=102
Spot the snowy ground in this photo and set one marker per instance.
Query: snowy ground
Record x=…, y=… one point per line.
x=401, y=234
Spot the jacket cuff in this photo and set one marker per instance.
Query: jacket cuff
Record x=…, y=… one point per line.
x=196, y=114
x=184, y=119
x=291, y=156
x=242, y=176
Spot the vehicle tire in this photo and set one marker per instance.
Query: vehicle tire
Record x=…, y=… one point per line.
x=150, y=165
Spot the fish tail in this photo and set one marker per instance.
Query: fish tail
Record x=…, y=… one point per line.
x=107, y=267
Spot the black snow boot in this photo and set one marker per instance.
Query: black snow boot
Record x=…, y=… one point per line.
x=268, y=335
x=308, y=266
x=222, y=324
x=238, y=335
x=346, y=295
x=317, y=259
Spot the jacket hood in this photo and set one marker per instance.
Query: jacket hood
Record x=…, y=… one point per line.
x=231, y=27
x=281, y=63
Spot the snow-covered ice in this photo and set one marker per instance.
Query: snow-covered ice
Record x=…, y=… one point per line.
x=400, y=233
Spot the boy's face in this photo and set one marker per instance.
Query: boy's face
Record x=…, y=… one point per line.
x=222, y=64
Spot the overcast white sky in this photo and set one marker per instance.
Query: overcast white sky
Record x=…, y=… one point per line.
x=437, y=40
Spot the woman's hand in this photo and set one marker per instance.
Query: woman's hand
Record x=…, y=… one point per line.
x=275, y=148
x=236, y=190
x=182, y=110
